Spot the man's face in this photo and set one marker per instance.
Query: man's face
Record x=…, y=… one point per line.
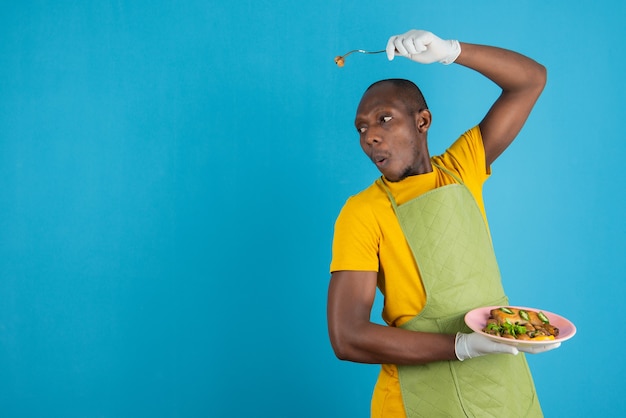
x=389, y=134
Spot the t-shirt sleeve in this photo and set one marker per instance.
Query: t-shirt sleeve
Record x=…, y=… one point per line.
x=356, y=241
x=466, y=156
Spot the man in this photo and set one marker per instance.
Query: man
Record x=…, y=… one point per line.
x=420, y=234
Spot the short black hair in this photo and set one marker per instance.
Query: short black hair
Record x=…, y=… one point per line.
x=408, y=92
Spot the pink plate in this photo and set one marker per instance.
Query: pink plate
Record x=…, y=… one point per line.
x=476, y=319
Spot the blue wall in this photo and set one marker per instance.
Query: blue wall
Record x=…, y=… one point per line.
x=170, y=173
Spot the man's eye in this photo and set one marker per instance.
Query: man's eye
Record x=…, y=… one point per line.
x=386, y=118
x=361, y=129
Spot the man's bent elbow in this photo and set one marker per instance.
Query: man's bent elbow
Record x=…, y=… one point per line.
x=342, y=346
x=540, y=77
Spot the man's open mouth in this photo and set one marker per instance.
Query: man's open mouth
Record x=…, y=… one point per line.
x=379, y=160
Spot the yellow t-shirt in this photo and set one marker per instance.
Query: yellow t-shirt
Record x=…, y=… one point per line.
x=368, y=237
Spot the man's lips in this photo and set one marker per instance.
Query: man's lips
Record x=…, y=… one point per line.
x=379, y=159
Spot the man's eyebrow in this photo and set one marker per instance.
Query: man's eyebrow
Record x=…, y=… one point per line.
x=378, y=109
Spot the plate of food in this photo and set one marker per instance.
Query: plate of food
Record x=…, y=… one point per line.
x=520, y=326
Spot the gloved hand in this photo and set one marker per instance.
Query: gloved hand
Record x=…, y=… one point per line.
x=423, y=47
x=536, y=349
x=476, y=345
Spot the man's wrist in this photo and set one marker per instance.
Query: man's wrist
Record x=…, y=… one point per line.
x=455, y=51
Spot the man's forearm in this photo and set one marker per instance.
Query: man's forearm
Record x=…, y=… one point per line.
x=508, y=69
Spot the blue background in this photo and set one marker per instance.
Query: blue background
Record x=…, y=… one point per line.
x=170, y=172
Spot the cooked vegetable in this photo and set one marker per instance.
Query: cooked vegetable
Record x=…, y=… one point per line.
x=543, y=317
x=513, y=329
x=524, y=315
x=520, y=324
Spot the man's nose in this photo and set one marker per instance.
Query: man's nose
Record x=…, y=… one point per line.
x=373, y=137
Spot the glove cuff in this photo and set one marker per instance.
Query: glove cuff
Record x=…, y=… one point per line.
x=460, y=347
x=455, y=51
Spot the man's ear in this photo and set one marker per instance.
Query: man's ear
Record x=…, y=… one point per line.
x=423, y=119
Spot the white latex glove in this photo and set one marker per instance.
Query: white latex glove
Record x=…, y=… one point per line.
x=423, y=47
x=476, y=345
x=536, y=349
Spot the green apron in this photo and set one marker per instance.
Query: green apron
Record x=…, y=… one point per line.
x=449, y=239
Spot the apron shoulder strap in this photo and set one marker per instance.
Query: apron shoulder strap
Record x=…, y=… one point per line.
x=448, y=172
x=382, y=185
